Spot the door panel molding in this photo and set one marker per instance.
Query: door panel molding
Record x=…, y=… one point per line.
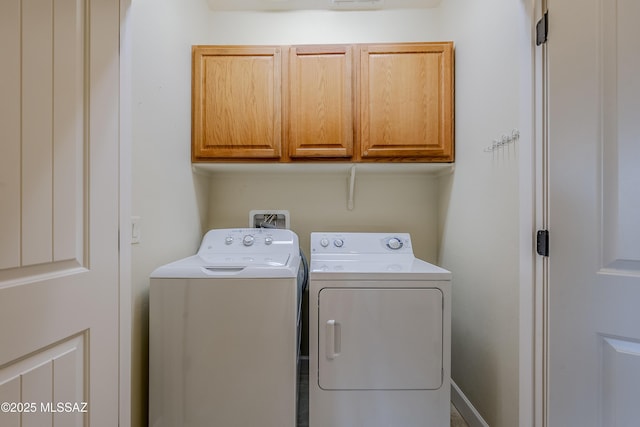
x=10, y=136
x=44, y=121
x=46, y=377
x=620, y=130
x=621, y=380
x=44, y=116
x=38, y=273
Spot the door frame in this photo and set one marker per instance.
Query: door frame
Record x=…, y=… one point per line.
x=125, y=190
x=533, y=345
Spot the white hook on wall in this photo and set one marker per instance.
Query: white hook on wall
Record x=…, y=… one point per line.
x=504, y=140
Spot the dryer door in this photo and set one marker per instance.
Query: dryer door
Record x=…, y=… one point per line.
x=380, y=338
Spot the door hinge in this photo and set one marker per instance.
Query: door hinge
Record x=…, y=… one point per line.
x=542, y=29
x=542, y=242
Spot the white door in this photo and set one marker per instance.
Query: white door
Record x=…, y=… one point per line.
x=594, y=213
x=59, y=212
x=380, y=339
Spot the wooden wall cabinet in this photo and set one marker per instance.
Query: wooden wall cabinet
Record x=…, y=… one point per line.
x=321, y=109
x=236, y=102
x=406, y=102
x=356, y=103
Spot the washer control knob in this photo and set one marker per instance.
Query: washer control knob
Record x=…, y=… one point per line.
x=248, y=240
x=394, y=243
x=338, y=243
x=268, y=240
x=228, y=240
x=324, y=242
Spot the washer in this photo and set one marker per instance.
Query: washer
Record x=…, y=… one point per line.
x=224, y=332
x=379, y=332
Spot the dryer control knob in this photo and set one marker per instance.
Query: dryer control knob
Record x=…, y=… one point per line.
x=394, y=243
x=324, y=242
x=268, y=240
x=248, y=240
x=338, y=243
x=228, y=240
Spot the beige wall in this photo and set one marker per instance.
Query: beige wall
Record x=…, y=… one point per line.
x=299, y=27
x=479, y=206
x=168, y=198
x=317, y=201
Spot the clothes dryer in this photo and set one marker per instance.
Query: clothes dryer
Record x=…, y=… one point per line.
x=380, y=333
x=224, y=332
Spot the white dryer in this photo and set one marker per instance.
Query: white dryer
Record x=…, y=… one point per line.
x=224, y=332
x=379, y=332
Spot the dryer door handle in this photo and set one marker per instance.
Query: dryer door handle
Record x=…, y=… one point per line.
x=333, y=339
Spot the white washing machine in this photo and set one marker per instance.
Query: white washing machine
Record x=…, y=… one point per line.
x=379, y=333
x=224, y=332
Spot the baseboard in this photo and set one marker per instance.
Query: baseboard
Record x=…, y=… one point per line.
x=466, y=408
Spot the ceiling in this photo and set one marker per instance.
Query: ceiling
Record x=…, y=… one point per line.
x=270, y=5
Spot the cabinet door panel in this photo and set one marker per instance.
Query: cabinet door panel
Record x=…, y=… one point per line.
x=321, y=101
x=407, y=101
x=236, y=102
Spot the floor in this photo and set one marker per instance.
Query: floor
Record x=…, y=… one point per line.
x=456, y=418
x=303, y=401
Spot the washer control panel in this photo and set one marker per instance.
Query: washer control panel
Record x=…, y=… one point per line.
x=249, y=240
x=360, y=243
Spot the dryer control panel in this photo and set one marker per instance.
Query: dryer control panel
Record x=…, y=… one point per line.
x=361, y=243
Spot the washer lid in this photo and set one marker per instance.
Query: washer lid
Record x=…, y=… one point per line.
x=246, y=260
x=233, y=266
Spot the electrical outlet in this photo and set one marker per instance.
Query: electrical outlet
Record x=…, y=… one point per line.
x=269, y=219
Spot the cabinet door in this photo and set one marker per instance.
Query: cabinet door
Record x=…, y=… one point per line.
x=237, y=110
x=320, y=101
x=406, y=97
